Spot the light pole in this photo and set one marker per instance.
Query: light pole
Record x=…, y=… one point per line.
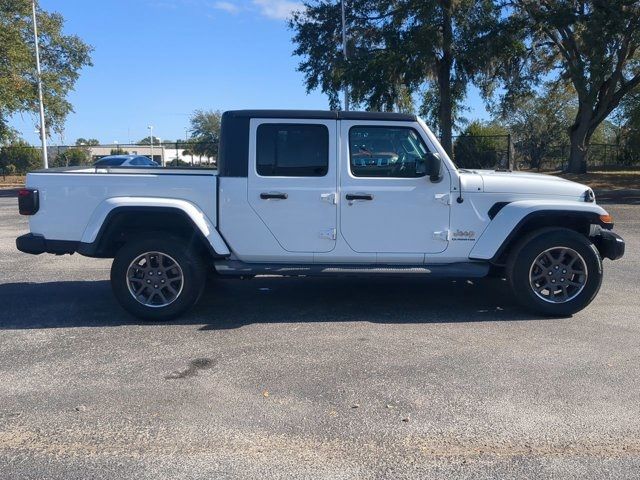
x=43, y=127
x=344, y=53
x=150, y=127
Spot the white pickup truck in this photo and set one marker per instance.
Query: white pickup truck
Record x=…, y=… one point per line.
x=303, y=193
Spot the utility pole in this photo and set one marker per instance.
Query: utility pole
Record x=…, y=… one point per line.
x=150, y=127
x=344, y=53
x=43, y=127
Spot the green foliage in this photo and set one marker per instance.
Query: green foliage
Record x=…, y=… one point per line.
x=398, y=49
x=539, y=123
x=147, y=141
x=22, y=156
x=72, y=157
x=628, y=132
x=62, y=57
x=89, y=142
x=482, y=146
x=205, y=132
x=9, y=169
x=176, y=162
x=594, y=45
x=119, y=151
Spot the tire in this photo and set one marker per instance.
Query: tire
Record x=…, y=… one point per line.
x=171, y=284
x=555, y=271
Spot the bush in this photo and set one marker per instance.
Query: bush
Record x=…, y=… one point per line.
x=481, y=146
x=73, y=157
x=9, y=169
x=21, y=156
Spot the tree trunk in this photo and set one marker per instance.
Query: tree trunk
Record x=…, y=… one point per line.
x=445, y=116
x=577, y=156
x=580, y=135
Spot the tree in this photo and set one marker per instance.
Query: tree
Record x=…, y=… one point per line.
x=627, y=128
x=593, y=45
x=62, y=58
x=398, y=48
x=147, y=141
x=482, y=146
x=20, y=157
x=92, y=142
x=539, y=122
x=205, y=132
x=72, y=157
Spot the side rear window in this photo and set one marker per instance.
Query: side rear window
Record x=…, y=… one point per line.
x=292, y=150
x=109, y=162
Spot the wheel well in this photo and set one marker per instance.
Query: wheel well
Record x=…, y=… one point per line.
x=577, y=221
x=123, y=224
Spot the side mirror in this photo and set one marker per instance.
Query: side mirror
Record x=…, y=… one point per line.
x=434, y=163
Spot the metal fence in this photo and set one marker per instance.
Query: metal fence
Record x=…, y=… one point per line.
x=505, y=151
x=21, y=158
x=483, y=151
x=487, y=151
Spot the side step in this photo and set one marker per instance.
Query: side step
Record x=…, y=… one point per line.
x=456, y=270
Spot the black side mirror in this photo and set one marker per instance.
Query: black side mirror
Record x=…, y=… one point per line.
x=435, y=167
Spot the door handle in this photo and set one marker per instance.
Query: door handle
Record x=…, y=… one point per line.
x=273, y=196
x=359, y=196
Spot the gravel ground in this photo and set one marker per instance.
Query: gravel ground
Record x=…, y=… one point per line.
x=314, y=378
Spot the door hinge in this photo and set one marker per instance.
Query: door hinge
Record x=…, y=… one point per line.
x=330, y=234
x=443, y=235
x=444, y=198
x=331, y=198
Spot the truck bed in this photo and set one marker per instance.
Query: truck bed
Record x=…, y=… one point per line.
x=71, y=196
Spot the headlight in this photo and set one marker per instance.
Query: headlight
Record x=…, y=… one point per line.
x=589, y=196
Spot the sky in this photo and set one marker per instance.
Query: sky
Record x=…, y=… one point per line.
x=156, y=61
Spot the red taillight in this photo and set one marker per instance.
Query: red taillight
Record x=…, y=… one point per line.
x=28, y=201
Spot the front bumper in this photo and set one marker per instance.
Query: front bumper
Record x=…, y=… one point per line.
x=36, y=244
x=610, y=245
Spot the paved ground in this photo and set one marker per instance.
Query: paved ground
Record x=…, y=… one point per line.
x=317, y=378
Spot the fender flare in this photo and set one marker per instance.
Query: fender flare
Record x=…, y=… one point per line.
x=100, y=217
x=511, y=218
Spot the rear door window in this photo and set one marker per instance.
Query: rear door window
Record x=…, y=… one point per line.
x=292, y=150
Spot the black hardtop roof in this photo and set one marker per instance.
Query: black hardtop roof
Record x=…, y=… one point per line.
x=321, y=115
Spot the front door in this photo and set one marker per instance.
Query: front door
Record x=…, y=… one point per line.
x=388, y=205
x=293, y=181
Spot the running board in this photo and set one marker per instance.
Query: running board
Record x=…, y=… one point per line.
x=459, y=270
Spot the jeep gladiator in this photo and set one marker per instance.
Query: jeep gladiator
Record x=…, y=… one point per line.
x=301, y=193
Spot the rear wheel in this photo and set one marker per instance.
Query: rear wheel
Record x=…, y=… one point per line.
x=157, y=279
x=555, y=271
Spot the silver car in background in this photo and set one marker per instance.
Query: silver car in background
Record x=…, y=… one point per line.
x=125, y=161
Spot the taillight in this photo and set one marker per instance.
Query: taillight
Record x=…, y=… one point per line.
x=28, y=201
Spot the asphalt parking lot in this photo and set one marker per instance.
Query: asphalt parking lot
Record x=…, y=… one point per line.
x=314, y=378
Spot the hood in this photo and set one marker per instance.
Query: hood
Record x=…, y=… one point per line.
x=534, y=183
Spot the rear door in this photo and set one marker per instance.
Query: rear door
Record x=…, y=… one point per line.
x=292, y=181
x=388, y=205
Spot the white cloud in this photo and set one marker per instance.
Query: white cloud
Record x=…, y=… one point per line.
x=227, y=7
x=277, y=9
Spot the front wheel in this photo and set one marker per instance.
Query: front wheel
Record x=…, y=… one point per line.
x=555, y=271
x=157, y=279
